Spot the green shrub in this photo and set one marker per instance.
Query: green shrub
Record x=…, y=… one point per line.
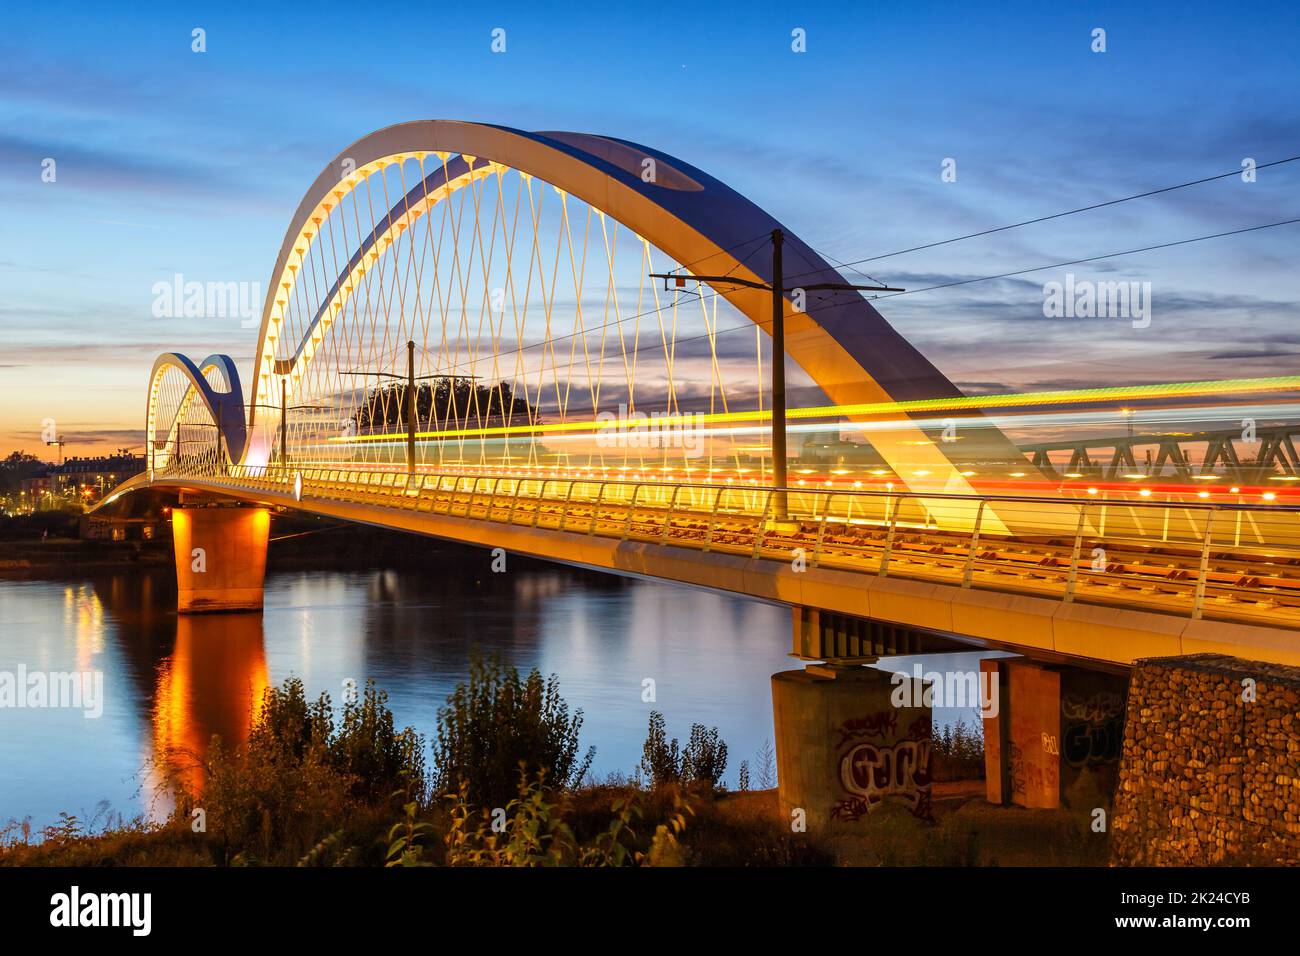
x=378, y=757
x=297, y=777
x=496, y=721
x=701, y=763
x=661, y=762
x=534, y=831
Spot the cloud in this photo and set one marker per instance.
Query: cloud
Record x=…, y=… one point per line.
x=95, y=168
x=1258, y=354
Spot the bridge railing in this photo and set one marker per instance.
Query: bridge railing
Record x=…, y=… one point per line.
x=1236, y=562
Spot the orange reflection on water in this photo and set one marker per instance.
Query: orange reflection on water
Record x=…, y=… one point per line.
x=212, y=685
x=83, y=616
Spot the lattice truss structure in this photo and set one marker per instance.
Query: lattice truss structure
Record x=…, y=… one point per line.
x=540, y=342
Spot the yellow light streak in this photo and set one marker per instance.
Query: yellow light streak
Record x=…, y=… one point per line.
x=1235, y=386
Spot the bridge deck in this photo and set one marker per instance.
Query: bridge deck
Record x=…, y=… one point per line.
x=1238, y=564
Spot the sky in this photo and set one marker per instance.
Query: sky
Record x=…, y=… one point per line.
x=170, y=161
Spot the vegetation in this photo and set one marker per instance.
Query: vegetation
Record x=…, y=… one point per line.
x=699, y=765
x=53, y=522
x=298, y=774
x=532, y=831
x=312, y=786
x=958, y=752
x=497, y=721
x=448, y=402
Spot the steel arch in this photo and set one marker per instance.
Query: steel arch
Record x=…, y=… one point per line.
x=847, y=348
x=226, y=408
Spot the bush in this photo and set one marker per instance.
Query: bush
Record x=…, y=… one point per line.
x=661, y=762
x=297, y=777
x=379, y=758
x=494, y=723
x=534, y=831
x=701, y=763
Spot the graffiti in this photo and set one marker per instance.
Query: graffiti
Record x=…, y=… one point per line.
x=1016, y=763
x=879, y=725
x=1093, y=729
x=1029, y=776
x=870, y=773
x=921, y=728
x=1099, y=707
x=1086, y=744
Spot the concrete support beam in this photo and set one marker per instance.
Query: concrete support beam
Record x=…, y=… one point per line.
x=997, y=777
x=843, y=745
x=1054, y=727
x=220, y=558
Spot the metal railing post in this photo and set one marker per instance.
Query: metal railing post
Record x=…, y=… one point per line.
x=760, y=532
x=821, y=529
x=668, y=518
x=631, y=509
x=968, y=573
x=1072, y=578
x=541, y=493
x=595, y=510
x=889, y=537
x=514, y=501
x=564, y=512
x=1198, y=602
x=713, y=521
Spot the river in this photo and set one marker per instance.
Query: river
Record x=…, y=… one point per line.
x=169, y=683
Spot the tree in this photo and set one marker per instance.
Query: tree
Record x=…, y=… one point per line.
x=444, y=402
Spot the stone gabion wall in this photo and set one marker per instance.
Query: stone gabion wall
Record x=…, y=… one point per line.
x=1208, y=776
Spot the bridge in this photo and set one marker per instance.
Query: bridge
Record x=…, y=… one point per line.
x=461, y=338
x=574, y=347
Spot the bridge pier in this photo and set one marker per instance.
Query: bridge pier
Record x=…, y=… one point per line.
x=847, y=736
x=1056, y=731
x=220, y=557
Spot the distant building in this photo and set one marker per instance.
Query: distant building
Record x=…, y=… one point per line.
x=81, y=480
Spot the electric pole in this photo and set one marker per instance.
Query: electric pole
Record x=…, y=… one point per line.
x=780, y=465
x=410, y=407
x=284, y=421
x=780, y=477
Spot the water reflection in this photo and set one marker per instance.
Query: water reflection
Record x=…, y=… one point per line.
x=210, y=685
x=172, y=683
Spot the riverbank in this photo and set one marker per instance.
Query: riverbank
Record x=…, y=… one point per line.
x=48, y=545
x=727, y=829
x=56, y=556
x=508, y=785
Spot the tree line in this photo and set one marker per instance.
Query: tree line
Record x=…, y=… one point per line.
x=446, y=401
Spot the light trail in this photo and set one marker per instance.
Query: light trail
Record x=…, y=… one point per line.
x=1118, y=393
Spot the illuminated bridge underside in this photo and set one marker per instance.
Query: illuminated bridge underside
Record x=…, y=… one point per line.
x=1157, y=580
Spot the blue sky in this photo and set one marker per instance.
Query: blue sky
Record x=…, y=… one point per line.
x=175, y=162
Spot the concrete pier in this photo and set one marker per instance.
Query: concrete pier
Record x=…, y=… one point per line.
x=220, y=557
x=843, y=744
x=1053, y=726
